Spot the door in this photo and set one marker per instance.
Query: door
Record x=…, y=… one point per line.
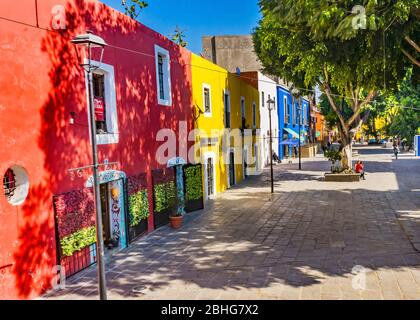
x=245, y=163
x=210, y=177
x=232, y=169
x=106, y=225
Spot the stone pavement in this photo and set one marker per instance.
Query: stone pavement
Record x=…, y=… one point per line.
x=311, y=240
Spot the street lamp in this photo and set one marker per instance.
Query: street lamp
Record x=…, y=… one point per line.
x=271, y=106
x=297, y=96
x=84, y=44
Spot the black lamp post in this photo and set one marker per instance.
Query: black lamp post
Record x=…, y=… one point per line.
x=297, y=96
x=271, y=104
x=85, y=43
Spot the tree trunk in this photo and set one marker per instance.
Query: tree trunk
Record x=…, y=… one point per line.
x=346, y=150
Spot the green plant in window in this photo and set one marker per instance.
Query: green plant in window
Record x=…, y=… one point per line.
x=139, y=208
x=193, y=182
x=78, y=241
x=164, y=194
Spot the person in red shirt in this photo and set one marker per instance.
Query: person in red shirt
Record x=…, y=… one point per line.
x=360, y=168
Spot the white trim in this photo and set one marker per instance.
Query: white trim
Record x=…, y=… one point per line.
x=245, y=154
x=110, y=103
x=206, y=156
x=227, y=93
x=167, y=76
x=231, y=150
x=257, y=159
x=207, y=114
x=243, y=110
x=254, y=115
x=286, y=107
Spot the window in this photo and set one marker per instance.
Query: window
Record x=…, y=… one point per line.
x=286, y=111
x=243, y=112
x=16, y=185
x=207, y=100
x=105, y=103
x=262, y=99
x=254, y=115
x=294, y=113
x=163, y=76
x=227, y=109
x=99, y=102
x=9, y=184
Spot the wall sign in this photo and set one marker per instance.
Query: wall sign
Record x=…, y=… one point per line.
x=105, y=177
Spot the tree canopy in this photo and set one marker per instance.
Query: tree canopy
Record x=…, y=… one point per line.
x=351, y=49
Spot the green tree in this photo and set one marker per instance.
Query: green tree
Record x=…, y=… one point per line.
x=133, y=7
x=405, y=122
x=179, y=37
x=320, y=43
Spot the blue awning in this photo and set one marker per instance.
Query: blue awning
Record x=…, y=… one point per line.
x=290, y=142
x=295, y=134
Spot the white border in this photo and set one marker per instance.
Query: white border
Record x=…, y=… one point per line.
x=110, y=103
x=207, y=114
x=231, y=150
x=227, y=92
x=167, y=75
x=206, y=156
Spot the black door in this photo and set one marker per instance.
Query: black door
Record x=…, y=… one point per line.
x=210, y=177
x=105, y=214
x=232, y=169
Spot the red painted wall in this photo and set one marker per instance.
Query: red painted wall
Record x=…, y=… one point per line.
x=40, y=85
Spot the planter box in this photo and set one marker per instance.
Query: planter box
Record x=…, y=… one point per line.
x=194, y=205
x=162, y=218
x=138, y=230
x=342, y=177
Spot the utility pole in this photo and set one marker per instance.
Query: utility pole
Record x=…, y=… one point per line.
x=87, y=42
x=271, y=106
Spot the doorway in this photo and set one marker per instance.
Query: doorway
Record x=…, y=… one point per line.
x=113, y=214
x=232, y=168
x=209, y=178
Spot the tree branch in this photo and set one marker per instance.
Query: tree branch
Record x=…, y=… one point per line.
x=412, y=43
x=412, y=59
x=328, y=92
x=358, y=108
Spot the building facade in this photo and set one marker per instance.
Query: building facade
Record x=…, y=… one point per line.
x=142, y=86
x=291, y=114
x=267, y=90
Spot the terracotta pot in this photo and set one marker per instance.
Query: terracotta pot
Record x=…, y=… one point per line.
x=176, y=222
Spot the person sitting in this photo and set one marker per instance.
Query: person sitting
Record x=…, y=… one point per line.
x=276, y=157
x=360, y=168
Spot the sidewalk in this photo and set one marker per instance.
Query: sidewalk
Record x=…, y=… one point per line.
x=302, y=243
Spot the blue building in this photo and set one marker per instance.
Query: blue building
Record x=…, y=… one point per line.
x=289, y=122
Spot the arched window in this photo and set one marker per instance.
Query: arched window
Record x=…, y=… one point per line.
x=9, y=184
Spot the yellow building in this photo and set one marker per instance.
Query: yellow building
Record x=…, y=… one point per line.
x=221, y=99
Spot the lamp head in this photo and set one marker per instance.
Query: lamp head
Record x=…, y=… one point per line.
x=271, y=104
x=84, y=43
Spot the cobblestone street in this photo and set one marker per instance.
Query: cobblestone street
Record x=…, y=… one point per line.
x=304, y=243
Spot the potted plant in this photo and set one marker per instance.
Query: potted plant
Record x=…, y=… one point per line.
x=333, y=155
x=175, y=216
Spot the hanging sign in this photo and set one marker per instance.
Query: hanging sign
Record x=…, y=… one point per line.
x=99, y=104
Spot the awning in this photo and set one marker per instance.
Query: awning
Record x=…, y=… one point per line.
x=294, y=134
x=290, y=142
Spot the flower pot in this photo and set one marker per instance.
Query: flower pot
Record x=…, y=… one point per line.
x=176, y=222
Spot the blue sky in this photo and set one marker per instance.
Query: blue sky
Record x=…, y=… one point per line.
x=198, y=17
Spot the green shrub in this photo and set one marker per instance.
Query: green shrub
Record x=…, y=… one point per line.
x=139, y=208
x=164, y=196
x=194, y=183
x=333, y=155
x=78, y=241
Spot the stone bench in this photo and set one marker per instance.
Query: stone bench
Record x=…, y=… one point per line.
x=342, y=177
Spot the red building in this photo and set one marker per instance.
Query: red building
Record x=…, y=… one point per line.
x=143, y=85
